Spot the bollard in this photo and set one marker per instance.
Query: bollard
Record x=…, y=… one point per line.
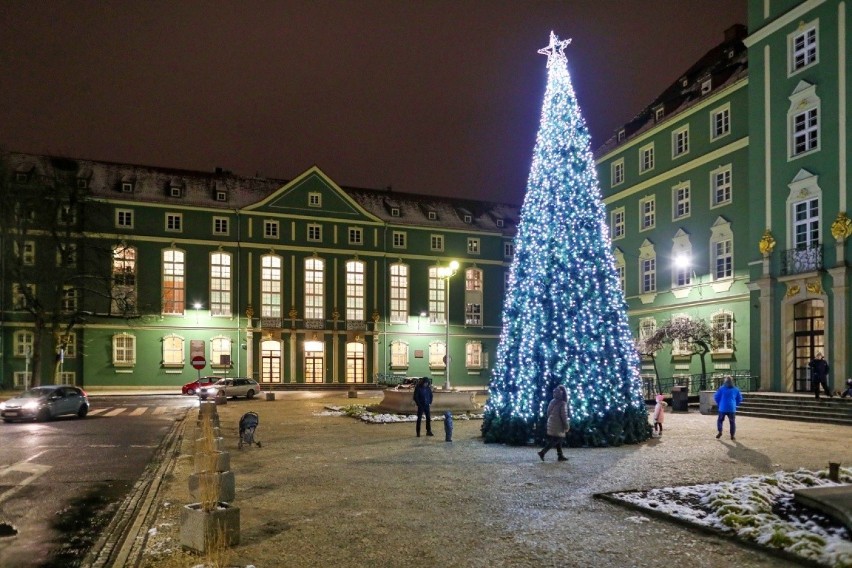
x=834, y=471
x=448, y=426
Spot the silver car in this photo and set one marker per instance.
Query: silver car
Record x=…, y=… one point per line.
x=46, y=402
x=231, y=387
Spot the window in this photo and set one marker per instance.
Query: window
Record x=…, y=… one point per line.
x=720, y=186
x=174, y=281
x=398, y=293
x=124, y=218
x=621, y=135
x=398, y=239
x=221, y=226
x=805, y=131
x=66, y=215
x=22, y=345
x=682, y=272
x=659, y=113
x=680, y=142
x=501, y=223
x=27, y=257
x=473, y=296
x=221, y=196
x=681, y=348
x=314, y=233
x=127, y=187
x=472, y=246
x=314, y=283
x=175, y=191
x=70, y=298
x=468, y=219
x=355, y=290
x=509, y=249
x=437, y=351
x=432, y=216
x=437, y=296
x=394, y=211
x=647, y=213
x=314, y=199
x=723, y=259
x=473, y=355
x=720, y=122
x=82, y=183
x=803, y=47
x=723, y=326
x=173, y=352
x=648, y=270
x=706, y=86
x=803, y=121
x=220, y=352
x=646, y=158
x=806, y=223
x=270, y=286
x=437, y=243
x=123, y=350
x=270, y=229
x=23, y=379
x=356, y=236
x=66, y=255
x=399, y=355
x=355, y=359
x=314, y=361
x=220, y=284
x=680, y=201
x=617, y=223
x=618, y=257
x=617, y=172
x=647, y=328
x=174, y=222
x=69, y=342
x=123, y=280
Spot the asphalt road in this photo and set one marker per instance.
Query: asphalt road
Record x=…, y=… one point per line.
x=61, y=481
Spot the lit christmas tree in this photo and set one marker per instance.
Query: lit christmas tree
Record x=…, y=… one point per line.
x=564, y=318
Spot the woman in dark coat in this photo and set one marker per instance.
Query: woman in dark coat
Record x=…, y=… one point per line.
x=423, y=399
x=557, y=423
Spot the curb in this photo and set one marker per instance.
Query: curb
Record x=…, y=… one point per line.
x=122, y=542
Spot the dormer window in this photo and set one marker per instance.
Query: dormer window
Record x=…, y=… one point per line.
x=21, y=177
x=221, y=195
x=500, y=223
x=394, y=211
x=706, y=86
x=127, y=187
x=314, y=199
x=684, y=82
x=468, y=219
x=82, y=183
x=175, y=191
x=659, y=114
x=621, y=135
x=432, y=216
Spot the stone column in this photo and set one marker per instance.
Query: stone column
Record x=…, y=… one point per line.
x=839, y=321
x=768, y=345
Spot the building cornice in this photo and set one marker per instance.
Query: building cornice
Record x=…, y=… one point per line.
x=779, y=23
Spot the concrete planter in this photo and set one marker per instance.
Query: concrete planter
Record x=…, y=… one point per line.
x=202, y=531
x=203, y=445
x=402, y=402
x=213, y=418
x=223, y=483
x=706, y=404
x=210, y=462
x=206, y=408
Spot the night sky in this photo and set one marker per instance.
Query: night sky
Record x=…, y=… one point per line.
x=434, y=97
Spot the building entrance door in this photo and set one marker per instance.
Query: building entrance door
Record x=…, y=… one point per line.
x=270, y=362
x=809, y=325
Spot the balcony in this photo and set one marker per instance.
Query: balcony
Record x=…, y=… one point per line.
x=806, y=258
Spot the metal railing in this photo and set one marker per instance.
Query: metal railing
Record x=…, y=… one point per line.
x=806, y=258
x=743, y=379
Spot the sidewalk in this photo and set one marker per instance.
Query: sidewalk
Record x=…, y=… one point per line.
x=334, y=491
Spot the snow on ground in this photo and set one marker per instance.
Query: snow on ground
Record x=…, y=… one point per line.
x=759, y=509
x=361, y=413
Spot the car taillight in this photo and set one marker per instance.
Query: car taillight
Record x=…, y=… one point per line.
x=84, y=393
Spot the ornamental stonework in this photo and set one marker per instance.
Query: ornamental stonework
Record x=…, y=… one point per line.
x=841, y=229
x=767, y=243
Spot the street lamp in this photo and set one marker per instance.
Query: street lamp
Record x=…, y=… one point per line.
x=197, y=307
x=447, y=272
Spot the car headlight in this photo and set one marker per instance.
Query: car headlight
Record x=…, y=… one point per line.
x=2, y=406
x=31, y=405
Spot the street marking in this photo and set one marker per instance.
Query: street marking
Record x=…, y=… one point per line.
x=161, y=409
x=35, y=470
x=138, y=411
x=115, y=412
x=97, y=411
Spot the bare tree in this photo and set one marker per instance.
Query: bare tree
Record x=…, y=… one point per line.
x=695, y=336
x=648, y=347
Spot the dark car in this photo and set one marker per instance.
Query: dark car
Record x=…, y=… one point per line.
x=239, y=386
x=46, y=402
x=195, y=386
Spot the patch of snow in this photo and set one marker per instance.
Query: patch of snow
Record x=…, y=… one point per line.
x=638, y=520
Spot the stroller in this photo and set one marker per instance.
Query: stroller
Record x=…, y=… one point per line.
x=248, y=424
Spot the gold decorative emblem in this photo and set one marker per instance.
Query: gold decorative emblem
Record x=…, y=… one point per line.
x=767, y=243
x=793, y=290
x=376, y=316
x=293, y=313
x=814, y=287
x=841, y=229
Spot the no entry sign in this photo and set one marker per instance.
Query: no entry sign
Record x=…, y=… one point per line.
x=199, y=362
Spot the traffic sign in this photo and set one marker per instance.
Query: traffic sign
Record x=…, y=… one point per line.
x=199, y=362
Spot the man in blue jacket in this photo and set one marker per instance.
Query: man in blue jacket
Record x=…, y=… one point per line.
x=727, y=398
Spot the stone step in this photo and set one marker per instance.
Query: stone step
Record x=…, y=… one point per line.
x=800, y=412
x=796, y=417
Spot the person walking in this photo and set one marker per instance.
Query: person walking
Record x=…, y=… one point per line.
x=819, y=375
x=557, y=423
x=659, y=414
x=848, y=391
x=727, y=398
x=423, y=400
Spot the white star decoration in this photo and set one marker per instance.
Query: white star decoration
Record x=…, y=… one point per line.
x=554, y=51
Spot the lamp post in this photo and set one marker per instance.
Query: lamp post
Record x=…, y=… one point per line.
x=197, y=307
x=447, y=272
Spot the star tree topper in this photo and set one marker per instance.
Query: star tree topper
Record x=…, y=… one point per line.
x=555, y=51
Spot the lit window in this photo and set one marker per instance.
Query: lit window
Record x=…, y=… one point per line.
x=173, y=352
x=473, y=296
x=437, y=351
x=123, y=350
x=314, y=284
x=174, y=285
x=398, y=293
x=220, y=352
x=473, y=355
x=355, y=359
x=314, y=361
x=174, y=222
x=399, y=354
x=437, y=243
x=220, y=284
x=437, y=296
x=723, y=327
x=355, y=287
x=123, y=280
x=270, y=286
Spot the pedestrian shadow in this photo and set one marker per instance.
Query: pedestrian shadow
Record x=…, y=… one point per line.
x=738, y=452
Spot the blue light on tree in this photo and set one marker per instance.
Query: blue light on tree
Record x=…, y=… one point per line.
x=564, y=318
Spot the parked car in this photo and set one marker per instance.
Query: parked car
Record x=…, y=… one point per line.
x=234, y=387
x=192, y=388
x=46, y=402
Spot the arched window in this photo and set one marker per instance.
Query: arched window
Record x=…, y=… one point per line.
x=723, y=326
x=437, y=351
x=173, y=351
x=123, y=350
x=174, y=281
x=399, y=354
x=220, y=352
x=123, y=280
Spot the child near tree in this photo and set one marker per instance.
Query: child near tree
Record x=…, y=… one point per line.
x=659, y=414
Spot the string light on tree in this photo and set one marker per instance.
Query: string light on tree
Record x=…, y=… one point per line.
x=564, y=317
